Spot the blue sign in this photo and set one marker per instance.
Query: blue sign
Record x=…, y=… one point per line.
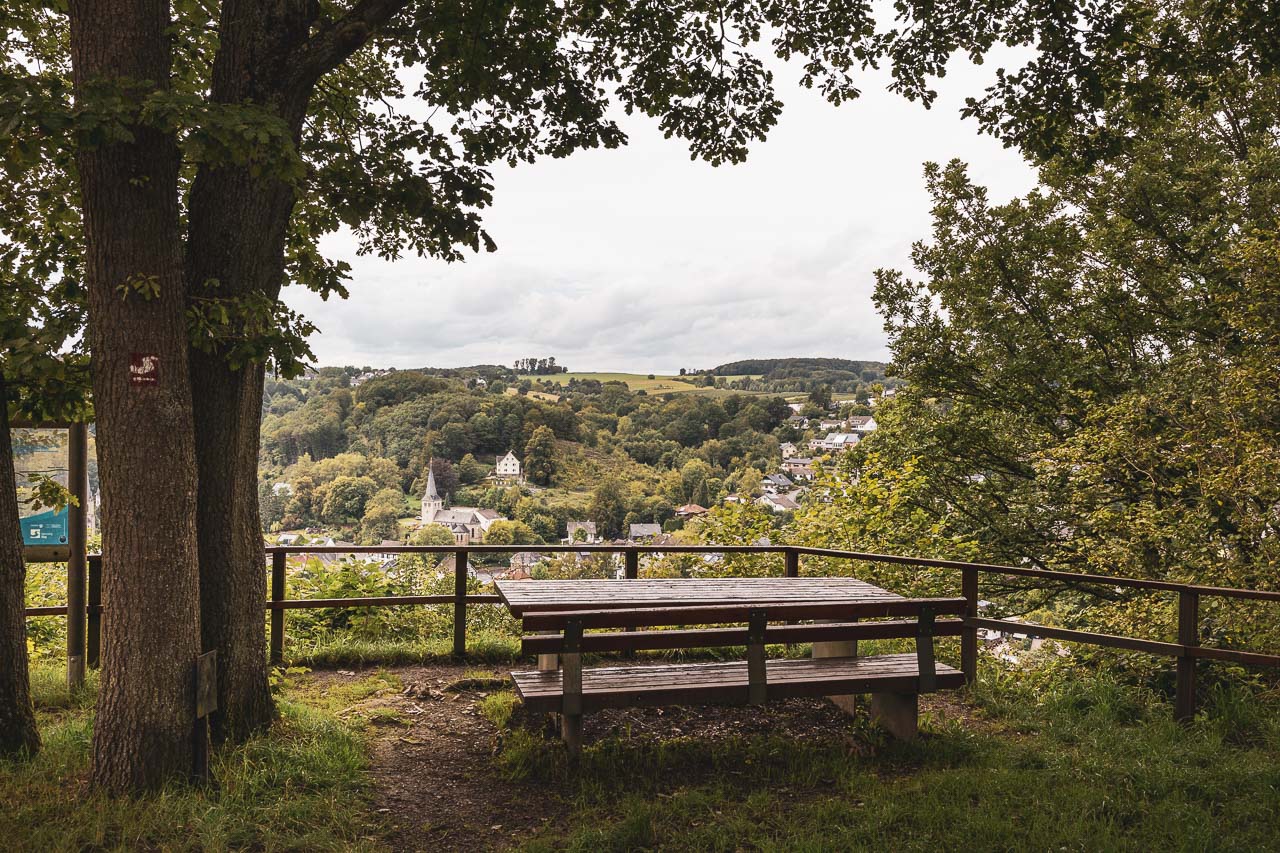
x=47, y=528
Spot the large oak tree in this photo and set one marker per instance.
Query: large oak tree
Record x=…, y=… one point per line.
x=209, y=158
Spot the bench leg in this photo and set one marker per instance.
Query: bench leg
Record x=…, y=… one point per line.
x=839, y=649
x=571, y=733
x=897, y=713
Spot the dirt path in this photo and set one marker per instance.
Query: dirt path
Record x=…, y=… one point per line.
x=438, y=787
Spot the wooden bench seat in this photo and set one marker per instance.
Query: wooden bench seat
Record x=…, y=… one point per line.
x=727, y=682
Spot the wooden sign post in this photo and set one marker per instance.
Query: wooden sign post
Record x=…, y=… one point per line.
x=206, y=704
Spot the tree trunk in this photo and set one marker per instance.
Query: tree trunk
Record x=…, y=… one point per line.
x=18, y=732
x=142, y=399
x=236, y=235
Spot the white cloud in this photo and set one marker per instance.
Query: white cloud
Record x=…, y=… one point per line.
x=639, y=259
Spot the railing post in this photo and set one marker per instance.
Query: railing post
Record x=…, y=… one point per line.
x=277, y=616
x=969, y=634
x=93, y=642
x=78, y=481
x=791, y=563
x=1188, y=635
x=631, y=563
x=459, y=603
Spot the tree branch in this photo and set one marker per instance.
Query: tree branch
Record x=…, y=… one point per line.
x=337, y=40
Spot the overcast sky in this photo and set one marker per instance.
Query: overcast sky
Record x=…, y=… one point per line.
x=641, y=260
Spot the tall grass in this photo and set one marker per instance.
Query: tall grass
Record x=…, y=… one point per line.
x=300, y=786
x=1055, y=763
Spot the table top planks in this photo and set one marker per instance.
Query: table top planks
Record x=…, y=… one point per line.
x=547, y=595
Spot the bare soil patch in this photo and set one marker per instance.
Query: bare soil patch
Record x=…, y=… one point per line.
x=438, y=787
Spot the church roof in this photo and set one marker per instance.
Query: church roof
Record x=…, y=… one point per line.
x=458, y=515
x=432, y=494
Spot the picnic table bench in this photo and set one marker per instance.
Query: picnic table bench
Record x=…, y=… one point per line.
x=750, y=612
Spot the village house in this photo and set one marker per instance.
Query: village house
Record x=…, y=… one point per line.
x=508, y=469
x=581, y=531
x=690, y=511
x=641, y=532
x=774, y=483
x=788, y=449
x=835, y=441
x=468, y=524
x=862, y=424
x=798, y=467
x=778, y=503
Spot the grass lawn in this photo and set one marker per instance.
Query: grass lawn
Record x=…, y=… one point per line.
x=634, y=381
x=1050, y=761
x=300, y=787
x=1081, y=765
x=657, y=385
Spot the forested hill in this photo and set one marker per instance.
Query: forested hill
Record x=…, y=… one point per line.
x=797, y=374
x=345, y=448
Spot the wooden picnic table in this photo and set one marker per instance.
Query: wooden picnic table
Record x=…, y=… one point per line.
x=555, y=612
x=530, y=596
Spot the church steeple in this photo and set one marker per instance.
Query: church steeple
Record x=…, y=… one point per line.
x=432, y=503
x=431, y=494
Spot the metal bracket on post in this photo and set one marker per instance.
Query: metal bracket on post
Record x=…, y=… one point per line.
x=206, y=704
x=757, y=677
x=928, y=673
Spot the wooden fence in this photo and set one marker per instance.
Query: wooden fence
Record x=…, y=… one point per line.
x=1185, y=648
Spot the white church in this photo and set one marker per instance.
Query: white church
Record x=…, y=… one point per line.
x=468, y=524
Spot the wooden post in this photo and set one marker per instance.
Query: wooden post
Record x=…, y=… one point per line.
x=1188, y=635
x=926, y=669
x=571, y=688
x=757, y=674
x=459, y=604
x=791, y=563
x=93, y=643
x=277, y=616
x=78, y=483
x=969, y=634
x=631, y=571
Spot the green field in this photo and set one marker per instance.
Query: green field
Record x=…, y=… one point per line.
x=641, y=382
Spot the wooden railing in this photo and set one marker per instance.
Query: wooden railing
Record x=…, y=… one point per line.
x=1186, y=649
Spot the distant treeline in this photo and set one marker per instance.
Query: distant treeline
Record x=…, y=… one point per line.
x=538, y=366
x=783, y=375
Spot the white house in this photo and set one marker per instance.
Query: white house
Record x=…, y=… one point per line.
x=467, y=523
x=778, y=503
x=862, y=424
x=587, y=529
x=835, y=441
x=788, y=449
x=508, y=468
x=776, y=483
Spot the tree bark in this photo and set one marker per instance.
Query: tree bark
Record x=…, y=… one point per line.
x=18, y=733
x=238, y=222
x=145, y=434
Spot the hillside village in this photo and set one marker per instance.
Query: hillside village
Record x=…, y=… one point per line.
x=482, y=456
